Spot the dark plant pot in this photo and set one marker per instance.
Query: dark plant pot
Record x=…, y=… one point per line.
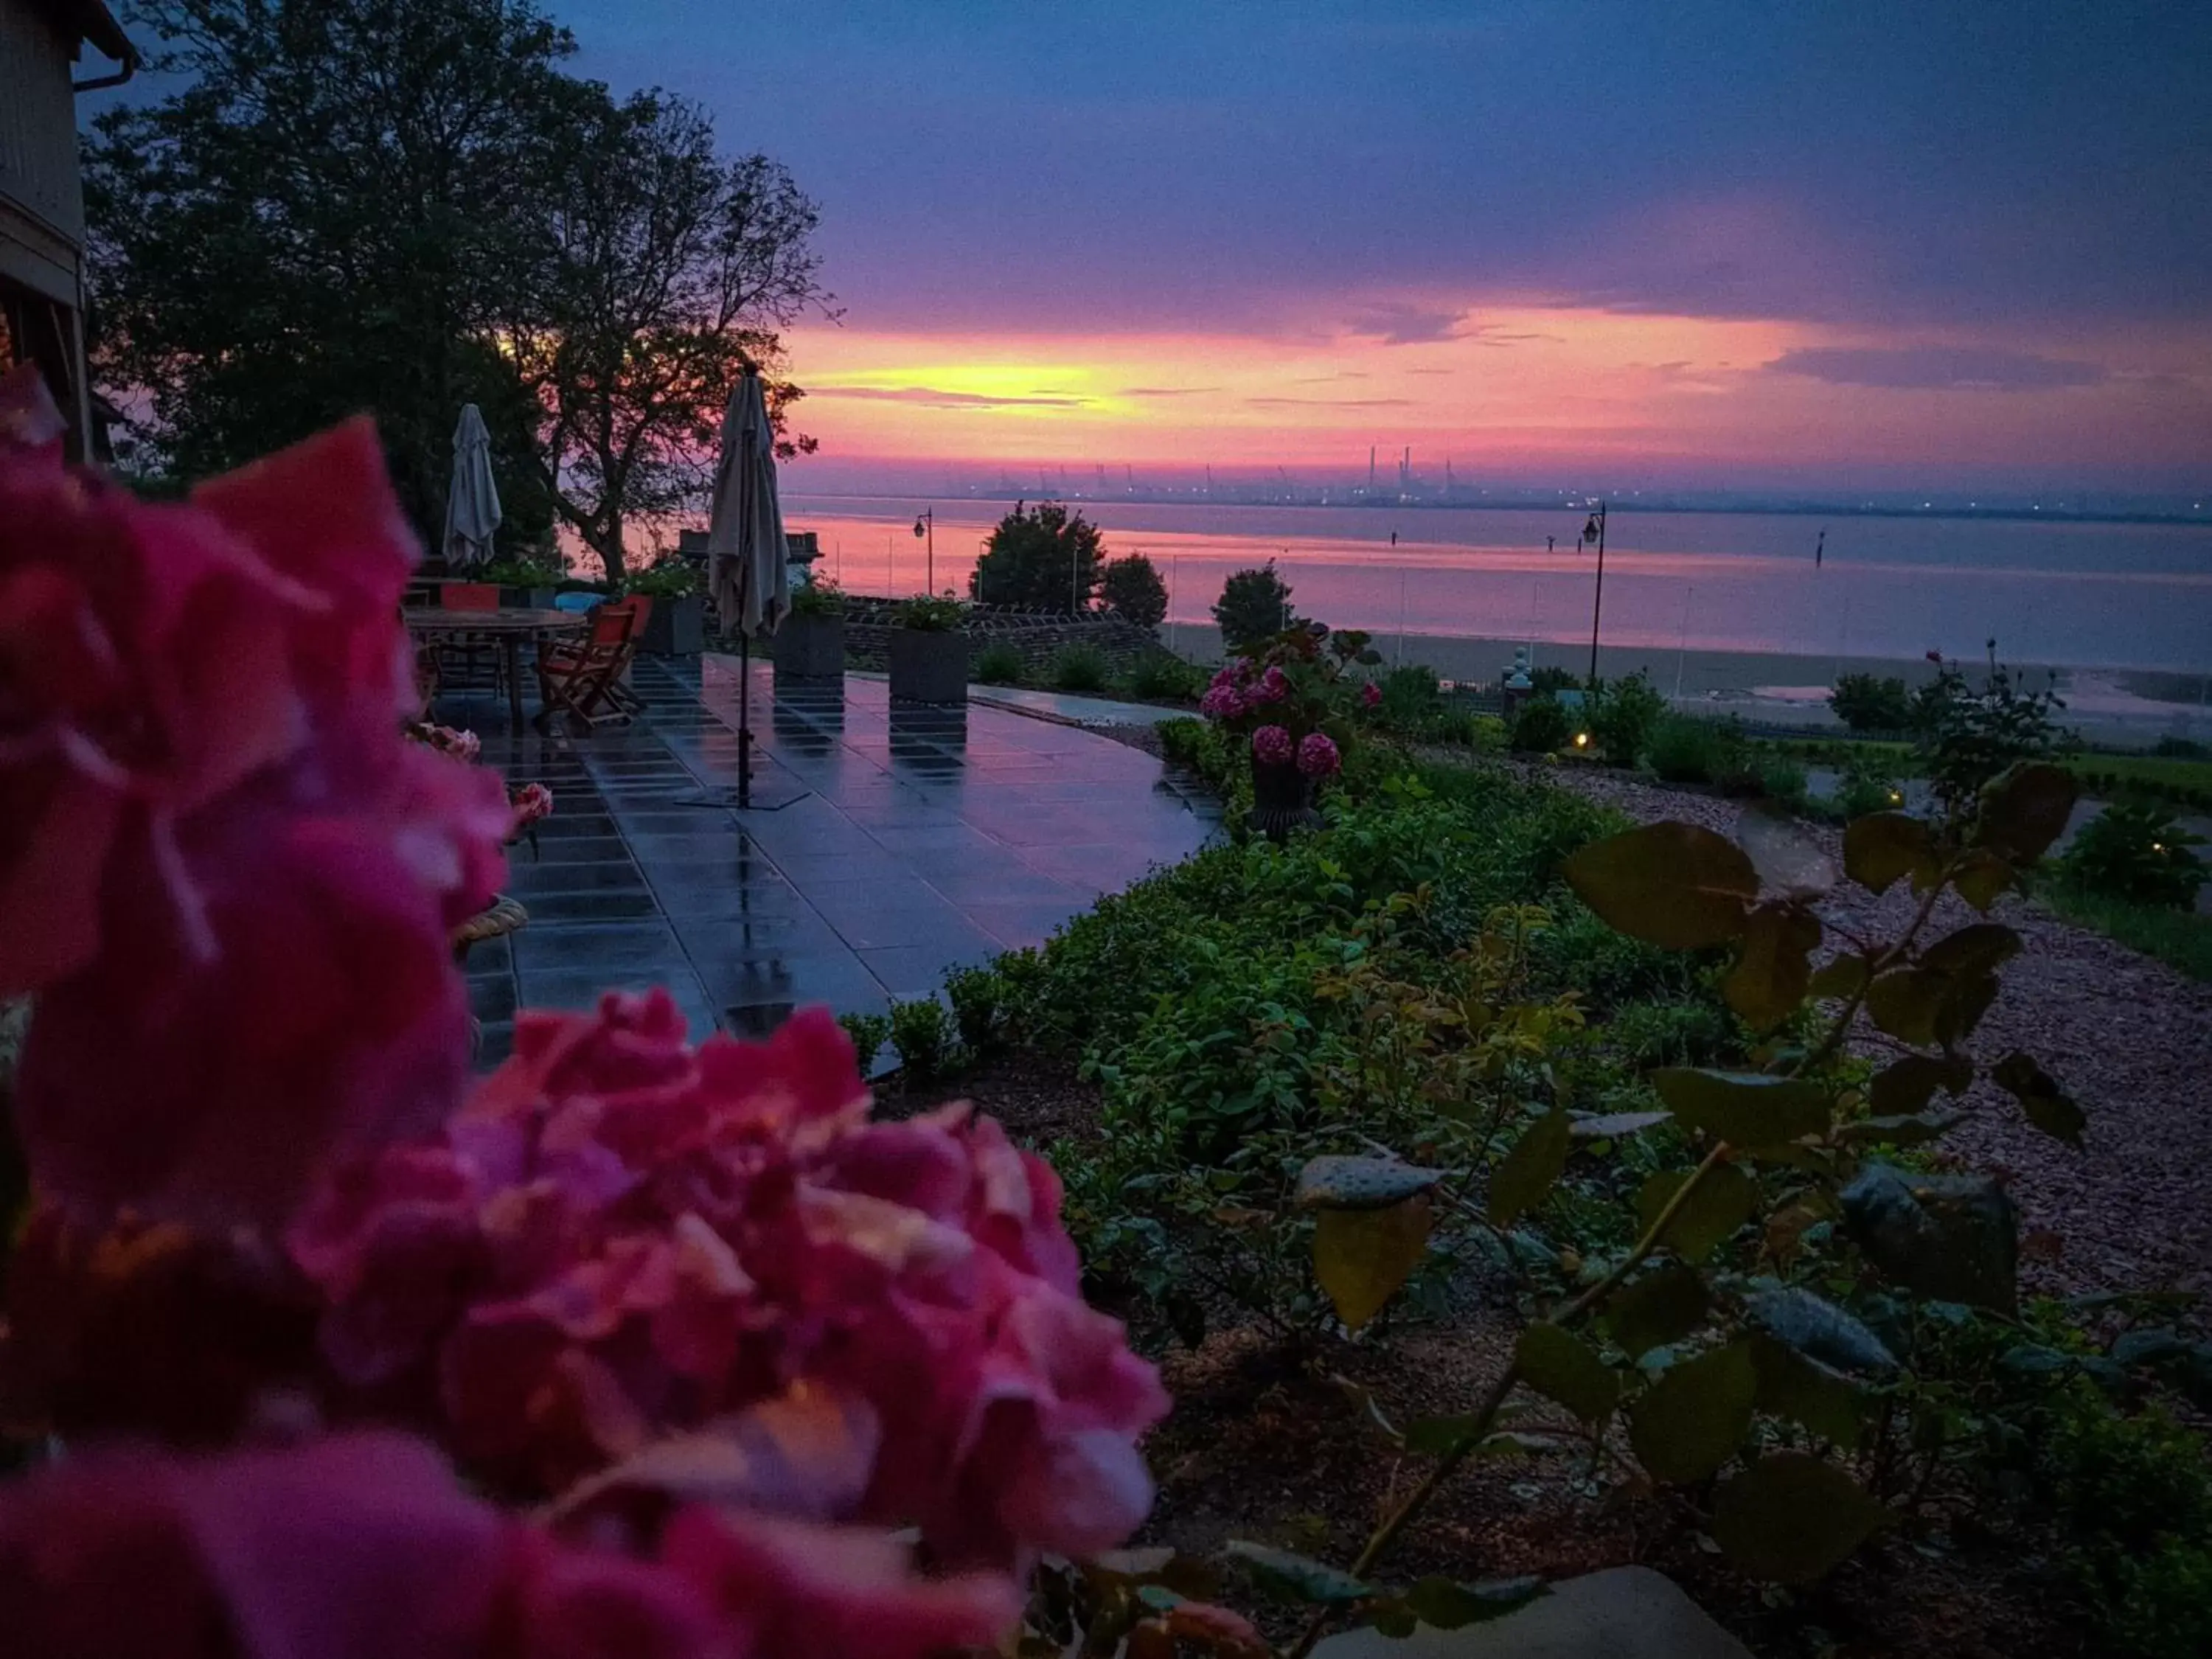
x=676, y=628
x=530, y=599
x=811, y=647
x=1282, y=800
x=928, y=667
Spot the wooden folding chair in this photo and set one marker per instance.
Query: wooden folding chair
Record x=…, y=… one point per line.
x=583, y=679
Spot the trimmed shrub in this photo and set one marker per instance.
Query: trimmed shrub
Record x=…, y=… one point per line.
x=998, y=664
x=1621, y=717
x=1080, y=668
x=2133, y=851
x=1541, y=726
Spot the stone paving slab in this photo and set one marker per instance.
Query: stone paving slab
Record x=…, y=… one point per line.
x=1625, y=1612
x=904, y=841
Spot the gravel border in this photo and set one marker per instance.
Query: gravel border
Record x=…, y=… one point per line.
x=2128, y=1036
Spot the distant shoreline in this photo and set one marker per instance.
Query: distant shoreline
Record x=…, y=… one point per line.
x=1535, y=504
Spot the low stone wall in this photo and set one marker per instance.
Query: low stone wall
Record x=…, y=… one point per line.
x=1038, y=635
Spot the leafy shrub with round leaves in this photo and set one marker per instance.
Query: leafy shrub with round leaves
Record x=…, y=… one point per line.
x=998, y=664
x=1541, y=726
x=2132, y=851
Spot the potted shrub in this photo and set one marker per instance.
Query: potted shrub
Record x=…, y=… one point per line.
x=1290, y=700
x=677, y=625
x=525, y=581
x=810, y=641
x=929, y=650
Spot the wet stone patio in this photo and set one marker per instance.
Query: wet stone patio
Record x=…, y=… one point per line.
x=887, y=844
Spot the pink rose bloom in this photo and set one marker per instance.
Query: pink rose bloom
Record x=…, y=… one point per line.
x=1317, y=756
x=623, y=1234
x=532, y=802
x=1274, y=685
x=363, y=1547
x=1272, y=745
x=461, y=744
x=1370, y=694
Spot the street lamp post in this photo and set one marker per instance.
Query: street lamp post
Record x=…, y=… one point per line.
x=1594, y=532
x=925, y=529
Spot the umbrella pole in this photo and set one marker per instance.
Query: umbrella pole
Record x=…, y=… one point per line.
x=744, y=719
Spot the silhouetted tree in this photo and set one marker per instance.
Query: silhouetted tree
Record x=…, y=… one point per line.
x=1042, y=556
x=1132, y=589
x=1254, y=603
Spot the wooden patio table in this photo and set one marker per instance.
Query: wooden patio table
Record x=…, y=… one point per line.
x=505, y=627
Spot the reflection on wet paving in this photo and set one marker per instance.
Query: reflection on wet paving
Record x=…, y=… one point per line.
x=886, y=844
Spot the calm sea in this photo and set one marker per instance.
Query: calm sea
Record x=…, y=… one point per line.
x=2082, y=595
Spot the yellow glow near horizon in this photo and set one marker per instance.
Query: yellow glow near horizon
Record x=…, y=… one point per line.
x=1514, y=384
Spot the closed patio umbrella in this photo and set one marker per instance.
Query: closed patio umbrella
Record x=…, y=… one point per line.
x=745, y=557
x=473, y=513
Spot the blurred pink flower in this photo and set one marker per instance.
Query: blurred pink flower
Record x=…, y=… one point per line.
x=1274, y=685
x=229, y=879
x=363, y=1547
x=1370, y=694
x=623, y=1234
x=1317, y=756
x=1272, y=745
x=459, y=742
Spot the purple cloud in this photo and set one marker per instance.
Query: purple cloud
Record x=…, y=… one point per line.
x=1396, y=323
x=1935, y=368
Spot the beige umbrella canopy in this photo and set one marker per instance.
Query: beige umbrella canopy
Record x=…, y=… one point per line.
x=746, y=568
x=472, y=511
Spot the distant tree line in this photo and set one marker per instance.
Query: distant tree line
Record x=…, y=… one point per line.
x=407, y=205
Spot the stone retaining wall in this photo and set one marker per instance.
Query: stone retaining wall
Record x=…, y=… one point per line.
x=1038, y=635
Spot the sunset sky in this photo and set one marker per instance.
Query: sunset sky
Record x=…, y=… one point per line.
x=1890, y=243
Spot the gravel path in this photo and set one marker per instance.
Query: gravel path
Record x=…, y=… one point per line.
x=2129, y=1038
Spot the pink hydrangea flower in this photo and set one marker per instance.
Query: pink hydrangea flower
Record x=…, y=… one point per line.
x=1317, y=756
x=622, y=1234
x=363, y=1547
x=229, y=878
x=1272, y=745
x=1370, y=694
x=1274, y=685
x=1222, y=702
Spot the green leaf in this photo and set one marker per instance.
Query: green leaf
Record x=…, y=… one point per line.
x=1773, y=969
x=1976, y=948
x=1360, y=1184
x=1564, y=1368
x=1964, y=1001
x=1880, y=846
x=1791, y=1518
x=1951, y=1237
x=1612, y=1126
x=2048, y=1106
x=2023, y=809
x=1839, y=980
x=1980, y=876
x=1746, y=1108
x=1906, y=1002
x=1361, y=1257
x=1914, y=1130
x=1674, y=885
x=1722, y=1202
x=1663, y=1306
x=1792, y=1387
x=1297, y=1577
x=1527, y=1174
x=1694, y=1419
x=1903, y=1086
x=1450, y=1605
x=1819, y=1330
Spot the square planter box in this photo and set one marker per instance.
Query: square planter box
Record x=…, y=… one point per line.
x=811, y=647
x=676, y=628
x=928, y=667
